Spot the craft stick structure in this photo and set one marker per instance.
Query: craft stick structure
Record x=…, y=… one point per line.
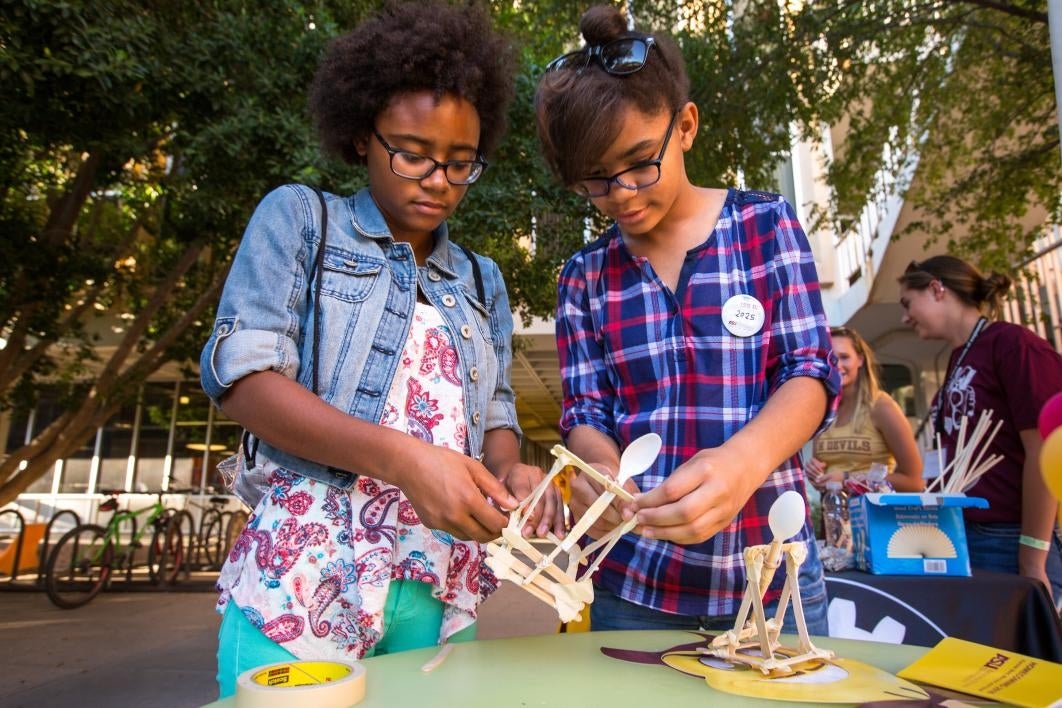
x=565, y=589
x=754, y=641
x=969, y=462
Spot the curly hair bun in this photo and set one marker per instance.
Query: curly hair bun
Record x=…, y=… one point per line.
x=602, y=23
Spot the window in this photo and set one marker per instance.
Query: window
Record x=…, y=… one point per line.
x=153, y=435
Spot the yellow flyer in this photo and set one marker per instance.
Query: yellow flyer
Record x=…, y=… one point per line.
x=980, y=670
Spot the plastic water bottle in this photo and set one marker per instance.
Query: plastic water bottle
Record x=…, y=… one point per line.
x=835, y=517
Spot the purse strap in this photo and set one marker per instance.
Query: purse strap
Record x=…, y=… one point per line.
x=476, y=275
x=316, y=304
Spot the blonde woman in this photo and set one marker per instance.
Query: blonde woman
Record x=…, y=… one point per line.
x=870, y=426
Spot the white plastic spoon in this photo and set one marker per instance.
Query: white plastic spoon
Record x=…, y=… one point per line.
x=785, y=518
x=638, y=456
x=635, y=460
x=786, y=515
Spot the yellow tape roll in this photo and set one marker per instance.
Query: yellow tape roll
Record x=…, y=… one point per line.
x=301, y=684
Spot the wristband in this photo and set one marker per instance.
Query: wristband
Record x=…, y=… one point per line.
x=1038, y=544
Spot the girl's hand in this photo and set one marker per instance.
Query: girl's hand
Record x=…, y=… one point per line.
x=815, y=471
x=701, y=497
x=450, y=492
x=834, y=476
x=586, y=490
x=813, y=468
x=548, y=514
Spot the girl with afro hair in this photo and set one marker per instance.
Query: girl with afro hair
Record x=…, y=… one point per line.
x=368, y=357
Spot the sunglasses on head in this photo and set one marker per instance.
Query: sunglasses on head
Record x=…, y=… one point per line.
x=618, y=57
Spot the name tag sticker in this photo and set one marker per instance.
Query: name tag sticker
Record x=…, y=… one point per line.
x=743, y=315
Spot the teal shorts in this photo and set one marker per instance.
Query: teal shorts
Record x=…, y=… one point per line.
x=411, y=620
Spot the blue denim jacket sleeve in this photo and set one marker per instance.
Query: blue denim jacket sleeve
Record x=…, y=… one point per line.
x=264, y=300
x=501, y=410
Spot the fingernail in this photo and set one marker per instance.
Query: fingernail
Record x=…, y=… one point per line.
x=648, y=533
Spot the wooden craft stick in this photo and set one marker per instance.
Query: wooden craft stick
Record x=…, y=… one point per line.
x=535, y=555
x=521, y=574
x=612, y=538
x=940, y=460
x=976, y=462
x=588, y=519
x=602, y=479
x=770, y=564
x=439, y=658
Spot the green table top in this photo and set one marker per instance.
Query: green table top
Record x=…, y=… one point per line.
x=570, y=670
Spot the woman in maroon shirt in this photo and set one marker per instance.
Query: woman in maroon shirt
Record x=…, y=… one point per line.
x=1010, y=371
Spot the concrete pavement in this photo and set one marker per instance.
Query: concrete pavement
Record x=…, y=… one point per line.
x=155, y=649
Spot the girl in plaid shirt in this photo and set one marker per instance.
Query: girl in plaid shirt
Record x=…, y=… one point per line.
x=696, y=316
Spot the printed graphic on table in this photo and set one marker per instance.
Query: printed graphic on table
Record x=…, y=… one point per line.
x=815, y=681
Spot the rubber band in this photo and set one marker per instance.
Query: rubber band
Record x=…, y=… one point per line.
x=1037, y=543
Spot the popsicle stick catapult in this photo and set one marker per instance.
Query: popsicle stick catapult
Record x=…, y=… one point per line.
x=564, y=589
x=755, y=641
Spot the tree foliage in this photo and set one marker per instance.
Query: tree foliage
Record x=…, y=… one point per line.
x=135, y=139
x=137, y=136
x=963, y=86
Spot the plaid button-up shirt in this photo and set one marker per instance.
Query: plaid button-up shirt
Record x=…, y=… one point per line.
x=638, y=358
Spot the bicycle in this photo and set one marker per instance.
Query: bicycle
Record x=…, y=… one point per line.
x=211, y=543
x=233, y=529
x=82, y=562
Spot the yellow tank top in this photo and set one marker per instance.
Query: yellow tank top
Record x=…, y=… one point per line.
x=852, y=447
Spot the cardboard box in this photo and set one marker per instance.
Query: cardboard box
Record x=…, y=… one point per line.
x=911, y=534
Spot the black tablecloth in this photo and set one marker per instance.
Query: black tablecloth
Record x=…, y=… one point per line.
x=1005, y=611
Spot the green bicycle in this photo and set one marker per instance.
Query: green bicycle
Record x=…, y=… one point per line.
x=82, y=562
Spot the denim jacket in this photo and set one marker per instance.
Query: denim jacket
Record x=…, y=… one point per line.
x=369, y=288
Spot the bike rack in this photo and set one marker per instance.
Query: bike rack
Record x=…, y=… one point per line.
x=18, y=540
x=42, y=557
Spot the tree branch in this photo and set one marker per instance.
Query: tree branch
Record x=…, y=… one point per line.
x=16, y=359
x=1009, y=9
x=162, y=293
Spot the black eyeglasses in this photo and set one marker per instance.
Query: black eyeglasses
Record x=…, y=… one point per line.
x=637, y=176
x=618, y=57
x=413, y=165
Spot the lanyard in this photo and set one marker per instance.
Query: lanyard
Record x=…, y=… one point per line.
x=938, y=419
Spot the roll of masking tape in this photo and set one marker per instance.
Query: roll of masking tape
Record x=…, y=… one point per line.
x=301, y=684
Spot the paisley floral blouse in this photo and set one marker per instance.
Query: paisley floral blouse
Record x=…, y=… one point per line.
x=313, y=566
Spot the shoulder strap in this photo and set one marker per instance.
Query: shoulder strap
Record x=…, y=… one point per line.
x=476, y=275
x=316, y=304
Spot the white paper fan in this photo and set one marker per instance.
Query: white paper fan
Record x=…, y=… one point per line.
x=920, y=541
